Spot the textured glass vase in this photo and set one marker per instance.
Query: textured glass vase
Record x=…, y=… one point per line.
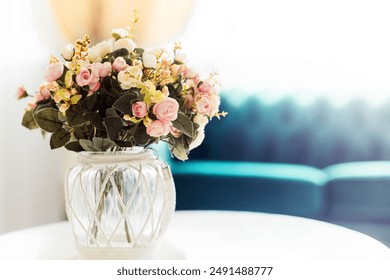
x=119, y=203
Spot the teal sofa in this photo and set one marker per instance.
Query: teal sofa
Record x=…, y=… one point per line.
x=249, y=186
x=319, y=161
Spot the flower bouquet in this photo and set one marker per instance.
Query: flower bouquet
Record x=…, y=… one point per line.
x=104, y=101
x=115, y=95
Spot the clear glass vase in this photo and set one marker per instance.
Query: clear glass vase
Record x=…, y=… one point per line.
x=119, y=203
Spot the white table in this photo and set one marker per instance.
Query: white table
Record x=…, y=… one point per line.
x=200, y=235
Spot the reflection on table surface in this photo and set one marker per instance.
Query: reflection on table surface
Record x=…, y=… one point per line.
x=200, y=235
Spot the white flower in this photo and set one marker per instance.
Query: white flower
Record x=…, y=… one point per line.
x=99, y=51
x=150, y=61
x=202, y=120
x=180, y=57
x=199, y=139
x=118, y=33
x=93, y=56
x=67, y=52
x=125, y=43
x=130, y=77
x=153, y=51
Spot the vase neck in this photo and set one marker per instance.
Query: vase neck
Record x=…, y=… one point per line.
x=131, y=155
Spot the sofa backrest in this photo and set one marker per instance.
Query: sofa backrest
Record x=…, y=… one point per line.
x=318, y=135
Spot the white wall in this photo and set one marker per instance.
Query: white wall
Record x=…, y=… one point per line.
x=332, y=48
x=31, y=175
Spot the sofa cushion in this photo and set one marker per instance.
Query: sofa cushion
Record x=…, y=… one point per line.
x=249, y=186
x=358, y=191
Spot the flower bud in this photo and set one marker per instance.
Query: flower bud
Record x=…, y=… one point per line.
x=67, y=52
x=149, y=60
x=124, y=43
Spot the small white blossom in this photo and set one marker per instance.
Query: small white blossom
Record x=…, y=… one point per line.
x=99, y=51
x=125, y=43
x=149, y=60
x=67, y=52
x=202, y=120
x=118, y=33
x=130, y=77
x=153, y=51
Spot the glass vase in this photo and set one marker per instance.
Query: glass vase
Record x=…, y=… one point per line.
x=119, y=203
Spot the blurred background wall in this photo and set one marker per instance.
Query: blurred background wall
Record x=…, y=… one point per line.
x=32, y=175
x=320, y=56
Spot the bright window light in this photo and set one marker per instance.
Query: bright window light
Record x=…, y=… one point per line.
x=303, y=48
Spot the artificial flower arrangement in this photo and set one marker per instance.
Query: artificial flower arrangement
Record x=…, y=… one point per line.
x=114, y=95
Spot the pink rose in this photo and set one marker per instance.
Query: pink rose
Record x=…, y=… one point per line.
x=45, y=92
x=119, y=64
x=101, y=69
x=205, y=88
x=93, y=88
x=190, y=74
x=188, y=101
x=158, y=128
x=204, y=106
x=139, y=109
x=208, y=105
x=39, y=97
x=106, y=69
x=84, y=77
x=166, y=110
x=54, y=71
x=21, y=93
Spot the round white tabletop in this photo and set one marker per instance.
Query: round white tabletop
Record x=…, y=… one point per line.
x=200, y=235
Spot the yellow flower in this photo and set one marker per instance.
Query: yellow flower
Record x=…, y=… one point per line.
x=68, y=79
x=66, y=98
x=61, y=94
x=130, y=77
x=151, y=95
x=147, y=121
x=64, y=107
x=75, y=98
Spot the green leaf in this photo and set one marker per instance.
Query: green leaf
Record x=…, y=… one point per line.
x=87, y=145
x=81, y=133
x=95, y=119
x=184, y=124
x=61, y=117
x=74, y=146
x=90, y=102
x=111, y=112
x=180, y=152
x=175, y=88
x=103, y=144
x=59, y=138
x=120, y=52
x=113, y=126
x=28, y=120
x=48, y=120
x=74, y=118
x=137, y=52
x=140, y=136
x=123, y=104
